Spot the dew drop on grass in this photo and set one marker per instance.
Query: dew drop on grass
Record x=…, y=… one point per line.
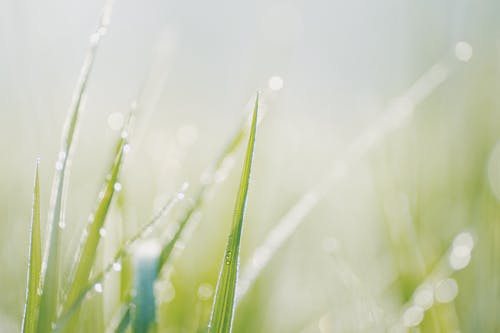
x=463, y=51
x=424, y=297
x=446, y=290
x=205, y=291
x=98, y=287
x=94, y=39
x=126, y=148
x=117, y=187
x=229, y=258
x=62, y=225
x=117, y=267
x=102, y=232
x=413, y=316
x=275, y=83
x=115, y=121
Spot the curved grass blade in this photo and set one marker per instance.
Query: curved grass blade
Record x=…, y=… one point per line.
x=114, y=265
x=34, y=263
x=221, y=320
x=50, y=266
x=143, y=308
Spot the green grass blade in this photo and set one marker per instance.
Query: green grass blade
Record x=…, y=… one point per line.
x=223, y=307
x=143, y=309
x=85, y=257
x=50, y=266
x=72, y=308
x=217, y=168
x=34, y=263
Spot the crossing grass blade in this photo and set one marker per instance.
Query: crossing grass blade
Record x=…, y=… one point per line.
x=221, y=319
x=67, y=316
x=34, y=263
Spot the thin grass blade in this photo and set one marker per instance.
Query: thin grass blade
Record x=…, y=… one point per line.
x=116, y=263
x=224, y=301
x=143, y=309
x=219, y=167
x=34, y=263
x=50, y=265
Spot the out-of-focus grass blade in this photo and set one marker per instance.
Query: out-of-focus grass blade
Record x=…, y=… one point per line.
x=143, y=308
x=50, y=266
x=117, y=262
x=86, y=254
x=34, y=263
x=223, y=307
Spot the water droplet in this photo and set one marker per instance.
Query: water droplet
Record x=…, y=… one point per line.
x=94, y=38
x=424, y=297
x=115, y=121
x=117, y=267
x=205, y=291
x=180, y=195
x=98, y=287
x=275, y=83
x=464, y=239
x=126, y=148
x=446, y=290
x=463, y=51
x=413, y=316
x=102, y=232
x=229, y=258
x=59, y=165
x=117, y=187
x=62, y=225
x=124, y=134
x=102, y=31
x=61, y=155
x=101, y=195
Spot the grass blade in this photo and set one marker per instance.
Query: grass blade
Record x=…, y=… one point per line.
x=50, y=266
x=85, y=257
x=223, y=307
x=219, y=167
x=143, y=310
x=34, y=263
x=72, y=308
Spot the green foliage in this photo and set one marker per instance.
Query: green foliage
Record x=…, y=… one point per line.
x=34, y=264
x=224, y=302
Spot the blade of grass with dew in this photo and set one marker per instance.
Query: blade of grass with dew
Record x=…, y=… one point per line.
x=50, y=265
x=86, y=254
x=34, y=262
x=143, y=309
x=115, y=264
x=220, y=166
x=221, y=319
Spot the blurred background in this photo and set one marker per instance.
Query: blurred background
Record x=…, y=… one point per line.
x=385, y=112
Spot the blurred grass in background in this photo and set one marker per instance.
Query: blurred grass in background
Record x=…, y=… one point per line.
x=381, y=229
